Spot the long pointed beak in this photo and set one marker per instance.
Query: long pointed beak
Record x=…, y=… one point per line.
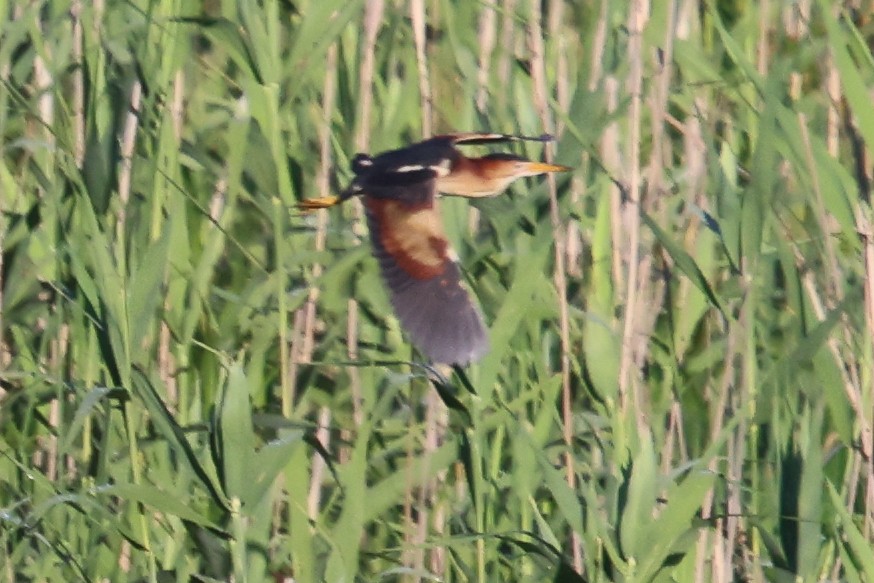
x=534, y=168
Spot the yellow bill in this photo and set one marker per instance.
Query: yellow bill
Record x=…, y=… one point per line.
x=543, y=168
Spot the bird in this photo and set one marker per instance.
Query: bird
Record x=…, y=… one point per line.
x=418, y=266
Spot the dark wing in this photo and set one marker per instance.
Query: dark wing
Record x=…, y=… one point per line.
x=413, y=186
x=474, y=138
x=414, y=166
x=423, y=279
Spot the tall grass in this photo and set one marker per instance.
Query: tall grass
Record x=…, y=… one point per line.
x=200, y=384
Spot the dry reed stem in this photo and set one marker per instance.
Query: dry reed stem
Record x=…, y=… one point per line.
x=562, y=76
x=505, y=62
x=43, y=81
x=487, y=37
x=417, y=14
x=5, y=353
x=436, y=415
x=541, y=92
x=318, y=465
x=598, y=47
x=834, y=286
x=628, y=381
x=436, y=424
x=651, y=295
x=373, y=14
x=734, y=508
x=573, y=236
x=166, y=360
x=177, y=104
x=45, y=102
x=858, y=392
x=763, y=48
x=865, y=228
x=721, y=570
x=833, y=120
x=323, y=183
x=409, y=555
x=611, y=156
x=687, y=15
x=695, y=164
x=128, y=143
x=658, y=100
x=78, y=84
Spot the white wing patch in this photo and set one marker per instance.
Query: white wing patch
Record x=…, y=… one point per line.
x=443, y=168
x=410, y=168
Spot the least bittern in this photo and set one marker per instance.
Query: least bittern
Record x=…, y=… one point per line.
x=418, y=266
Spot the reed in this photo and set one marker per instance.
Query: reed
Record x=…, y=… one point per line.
x=198, y=383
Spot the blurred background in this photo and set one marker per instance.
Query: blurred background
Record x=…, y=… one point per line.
x=199, y=383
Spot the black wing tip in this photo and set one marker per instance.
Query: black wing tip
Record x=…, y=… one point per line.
x=462, y=352
x=460, y=342
x=540, y=138
x=438, y=316
x=475, y=138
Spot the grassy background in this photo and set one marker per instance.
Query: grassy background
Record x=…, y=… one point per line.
x=200, y=384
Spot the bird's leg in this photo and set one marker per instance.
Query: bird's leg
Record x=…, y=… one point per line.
x=312, y=204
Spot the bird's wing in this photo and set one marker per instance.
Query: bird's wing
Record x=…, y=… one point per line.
x=424, y=279
x=475, y=138
x=433, y=158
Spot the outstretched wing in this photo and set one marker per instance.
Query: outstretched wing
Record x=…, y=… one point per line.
x=423, y=279
x=475, y=138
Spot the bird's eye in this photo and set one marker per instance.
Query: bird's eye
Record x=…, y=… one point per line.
x=361, y=162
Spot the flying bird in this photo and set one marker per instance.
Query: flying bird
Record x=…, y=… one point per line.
x=418, y=266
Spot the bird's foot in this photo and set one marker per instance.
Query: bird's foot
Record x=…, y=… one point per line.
x=313, y=204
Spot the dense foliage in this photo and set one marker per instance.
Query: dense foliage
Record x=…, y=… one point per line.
x=199, y=383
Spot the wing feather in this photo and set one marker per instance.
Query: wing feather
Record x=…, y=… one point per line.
x=424, y=282
x=474, y=138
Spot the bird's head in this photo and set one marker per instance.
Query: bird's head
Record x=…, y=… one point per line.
x=509, y=167
x=491, y=174
x=361, y=163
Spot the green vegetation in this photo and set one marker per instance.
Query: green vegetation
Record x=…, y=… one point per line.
x=197, y=383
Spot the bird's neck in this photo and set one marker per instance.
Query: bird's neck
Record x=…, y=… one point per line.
x=471, y=179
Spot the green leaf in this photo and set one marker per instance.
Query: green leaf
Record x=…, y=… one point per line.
x=684, y=261
x=146, y=282
x=167, y=426
x=673, y=529
x=857, y=544
x=237, y=436
x=267, y=464
x=160, y=500
x=641, y=486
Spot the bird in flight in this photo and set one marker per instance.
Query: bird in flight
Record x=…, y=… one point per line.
x=418, y=266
